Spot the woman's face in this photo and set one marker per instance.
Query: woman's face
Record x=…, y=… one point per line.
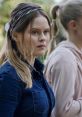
x=36, y=37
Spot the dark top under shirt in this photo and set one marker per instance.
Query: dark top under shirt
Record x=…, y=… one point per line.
x=18, y=101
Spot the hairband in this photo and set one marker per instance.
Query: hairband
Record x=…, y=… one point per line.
x=22, y=15
x=7, y=25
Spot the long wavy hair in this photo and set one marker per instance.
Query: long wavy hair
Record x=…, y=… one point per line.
x=20, y=18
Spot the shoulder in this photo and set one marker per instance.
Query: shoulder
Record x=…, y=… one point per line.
x=8, y=70
x=10, y=85
x=9, y=80
x=61, y=54
x=6, y=67
x=9, y=76
x=61, y=58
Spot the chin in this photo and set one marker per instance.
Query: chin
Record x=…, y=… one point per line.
x=41, y=54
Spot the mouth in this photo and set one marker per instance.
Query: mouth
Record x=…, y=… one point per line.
x=41, y=46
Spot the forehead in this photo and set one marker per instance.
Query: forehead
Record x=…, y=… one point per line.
x=40, y=22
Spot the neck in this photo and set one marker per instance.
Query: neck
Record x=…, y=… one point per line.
x=31, y=61
x=76, y=40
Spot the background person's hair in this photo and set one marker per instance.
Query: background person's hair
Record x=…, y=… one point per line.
x=21, y=17
x=63, y=13
x=58, y=32
x=68, y=10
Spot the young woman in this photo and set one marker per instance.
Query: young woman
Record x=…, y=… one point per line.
x=64, y=65
x=24, y=92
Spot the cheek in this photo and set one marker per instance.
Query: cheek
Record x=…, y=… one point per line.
x=33, y=44
x=30, y=45
x=48, y=39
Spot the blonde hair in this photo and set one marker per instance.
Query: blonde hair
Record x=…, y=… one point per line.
x=21, y=17
x=67, y=11
x=8, y=53
x=3, y=52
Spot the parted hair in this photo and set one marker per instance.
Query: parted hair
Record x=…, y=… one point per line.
x=20, y=18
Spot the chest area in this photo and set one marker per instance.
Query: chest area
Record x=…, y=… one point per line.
x=35, y=99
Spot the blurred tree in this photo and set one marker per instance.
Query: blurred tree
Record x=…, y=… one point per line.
x=6, y=7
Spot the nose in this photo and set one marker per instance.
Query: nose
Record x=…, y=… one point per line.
x=42, y=37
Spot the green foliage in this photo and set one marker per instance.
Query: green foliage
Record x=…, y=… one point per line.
x=6, y=7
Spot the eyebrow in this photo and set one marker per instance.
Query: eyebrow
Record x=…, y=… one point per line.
x=34, y=28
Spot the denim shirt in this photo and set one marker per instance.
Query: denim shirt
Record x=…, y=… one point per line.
x=18, y=101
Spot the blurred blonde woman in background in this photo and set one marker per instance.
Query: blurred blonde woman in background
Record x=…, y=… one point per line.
x=64, y=65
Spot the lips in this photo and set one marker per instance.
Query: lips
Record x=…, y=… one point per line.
x=41, y=46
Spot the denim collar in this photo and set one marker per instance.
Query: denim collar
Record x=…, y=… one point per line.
x=38, y=65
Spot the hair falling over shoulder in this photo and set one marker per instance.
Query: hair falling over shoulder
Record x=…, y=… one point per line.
x=12, y=51
x=3, y=53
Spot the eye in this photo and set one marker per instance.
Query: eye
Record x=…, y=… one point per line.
x=34, y=32
x=47, y=32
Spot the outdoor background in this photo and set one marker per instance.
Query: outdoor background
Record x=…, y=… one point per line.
x=7, y=5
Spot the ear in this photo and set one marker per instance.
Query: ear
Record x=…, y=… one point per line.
x=72, y=25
